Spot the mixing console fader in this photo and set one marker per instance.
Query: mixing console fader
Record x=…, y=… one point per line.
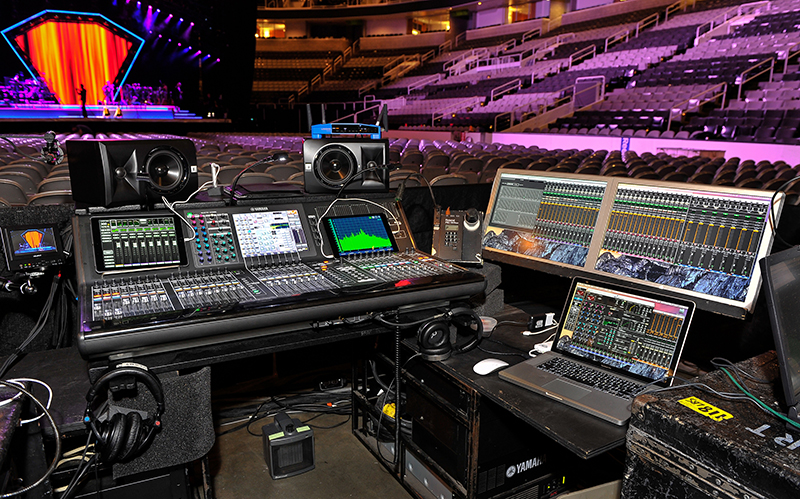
x=245, y=268
x=568, y=212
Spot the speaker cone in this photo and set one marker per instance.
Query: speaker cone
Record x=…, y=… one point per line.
x=166, y=169
x=335, y=165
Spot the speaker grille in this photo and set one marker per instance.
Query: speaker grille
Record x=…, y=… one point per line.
x=335, y=165
x=166, y=169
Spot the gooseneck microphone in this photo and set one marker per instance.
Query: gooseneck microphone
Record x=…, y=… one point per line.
x=51, y=152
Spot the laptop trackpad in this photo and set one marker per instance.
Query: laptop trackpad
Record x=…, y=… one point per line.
x=568, y=390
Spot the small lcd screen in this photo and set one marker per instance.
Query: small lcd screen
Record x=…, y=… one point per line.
x=31, y=246
x=129, y=243
x=359, y=235
x=28, y=242
x=270, y=233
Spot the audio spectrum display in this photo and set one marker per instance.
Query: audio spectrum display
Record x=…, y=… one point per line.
x=359, y=235
x=545, y=218
x=699, y=241
x=249, y=270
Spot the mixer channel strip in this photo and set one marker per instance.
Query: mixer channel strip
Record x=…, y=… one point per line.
x=399, y=267
x=290, y=280
x=112, y=301
x=212, y=289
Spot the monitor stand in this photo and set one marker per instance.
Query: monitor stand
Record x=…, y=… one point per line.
x=794, y=414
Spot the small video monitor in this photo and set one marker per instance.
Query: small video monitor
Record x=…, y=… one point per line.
x=30, y=247
x=359, y=235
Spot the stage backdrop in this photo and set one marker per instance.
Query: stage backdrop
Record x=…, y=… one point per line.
x=68, y=49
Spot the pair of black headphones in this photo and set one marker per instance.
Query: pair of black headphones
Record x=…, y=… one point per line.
x=122, y=437
x=433, y=337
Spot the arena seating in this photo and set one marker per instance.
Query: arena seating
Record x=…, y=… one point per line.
x=279, y=74
x=448, y=161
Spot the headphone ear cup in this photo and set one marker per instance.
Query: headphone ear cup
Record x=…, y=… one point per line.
x=117, y=431
x=473, y=318
x=121, y=437
x=433, y=339
x=133, y=440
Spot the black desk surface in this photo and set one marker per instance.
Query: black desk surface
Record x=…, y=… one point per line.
x=67, y=373
x=583, y=434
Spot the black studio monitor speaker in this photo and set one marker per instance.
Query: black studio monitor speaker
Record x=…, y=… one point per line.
x=124, y=172
x=358, y=164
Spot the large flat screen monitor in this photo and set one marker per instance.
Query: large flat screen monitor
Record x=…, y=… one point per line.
x=699, y=241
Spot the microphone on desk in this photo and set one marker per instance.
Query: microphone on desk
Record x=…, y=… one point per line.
x=278, y=157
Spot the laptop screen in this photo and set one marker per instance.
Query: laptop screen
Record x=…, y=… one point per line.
x=637, y=333
x=782, y=287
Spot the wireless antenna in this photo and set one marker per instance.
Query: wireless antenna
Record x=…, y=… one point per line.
x=383, y=118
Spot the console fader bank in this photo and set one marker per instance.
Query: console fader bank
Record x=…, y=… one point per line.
x=152, y=280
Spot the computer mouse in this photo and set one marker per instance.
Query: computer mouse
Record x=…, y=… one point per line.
x=487, y=366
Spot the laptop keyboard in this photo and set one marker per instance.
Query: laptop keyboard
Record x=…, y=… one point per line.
x=598, y=380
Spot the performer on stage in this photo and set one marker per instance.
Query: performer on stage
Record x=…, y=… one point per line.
x=82, y=92
x=177, y=95
x=108, y=91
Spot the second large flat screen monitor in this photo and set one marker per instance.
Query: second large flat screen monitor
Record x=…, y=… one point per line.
x=694, y=240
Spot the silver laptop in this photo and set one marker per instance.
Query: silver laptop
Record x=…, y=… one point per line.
x=610, y=344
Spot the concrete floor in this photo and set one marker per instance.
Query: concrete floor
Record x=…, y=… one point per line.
x=344, y=468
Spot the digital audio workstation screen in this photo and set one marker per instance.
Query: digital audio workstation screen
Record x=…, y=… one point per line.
x=637, y=333
x=544, y=217
x=270, y=233
x=137, y=242
x=707, y=242
x=359, y=235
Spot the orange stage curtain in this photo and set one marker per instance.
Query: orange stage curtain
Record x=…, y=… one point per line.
x=67, y=54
